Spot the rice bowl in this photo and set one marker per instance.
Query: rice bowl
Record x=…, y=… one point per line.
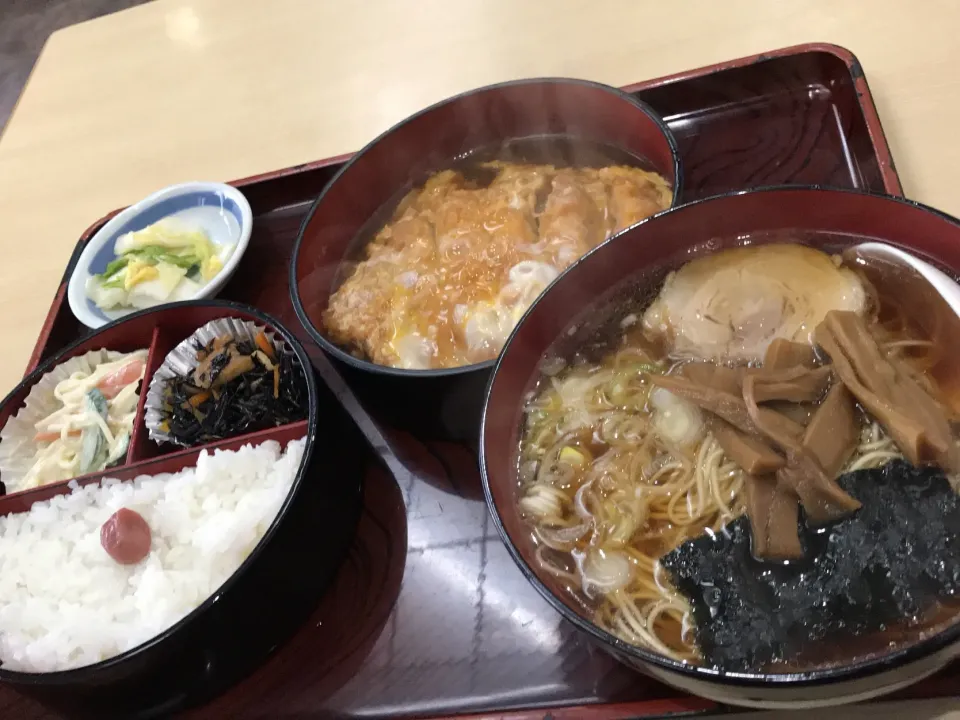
x=65, y=604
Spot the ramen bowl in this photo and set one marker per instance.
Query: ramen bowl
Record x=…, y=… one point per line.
x=262, y=601
x=538, y=114
x=565, y=319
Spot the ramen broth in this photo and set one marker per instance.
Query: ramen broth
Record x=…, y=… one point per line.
x=439, y=276
x=615, y=471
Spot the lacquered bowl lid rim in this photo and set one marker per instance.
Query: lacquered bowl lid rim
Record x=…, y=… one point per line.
x=853, y=671
x=372, y=367
x=83, y=674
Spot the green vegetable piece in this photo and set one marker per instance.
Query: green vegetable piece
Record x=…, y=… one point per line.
x=92, y=449
x=184, y=261
x=646, y=368
x=114, y=266
x=98, y=403
x=150, y=254
x=119, y=452
x=536, y=417
x=154, y=254
x=117, y=281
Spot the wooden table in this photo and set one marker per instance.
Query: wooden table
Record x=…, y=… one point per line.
x=221, y=89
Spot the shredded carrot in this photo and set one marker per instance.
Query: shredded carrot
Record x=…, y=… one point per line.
x=111, y=385
x=276, y=381
x=192, y=409
x=52, y=435
x=264, y=344
x=199, y=399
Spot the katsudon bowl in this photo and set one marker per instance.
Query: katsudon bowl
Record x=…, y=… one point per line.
x=657, y=556
x=399, y=368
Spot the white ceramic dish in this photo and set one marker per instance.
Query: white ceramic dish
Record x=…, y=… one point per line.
x=221, y=210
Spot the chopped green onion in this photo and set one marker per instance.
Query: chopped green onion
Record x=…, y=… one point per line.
x=648, y=368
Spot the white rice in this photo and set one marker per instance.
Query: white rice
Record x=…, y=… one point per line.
x=64, y=603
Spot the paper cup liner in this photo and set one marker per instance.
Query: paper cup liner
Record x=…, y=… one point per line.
x=18, y=450
x=182, y=361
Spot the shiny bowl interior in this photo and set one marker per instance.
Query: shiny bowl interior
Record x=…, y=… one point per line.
x=430, y=141
x=557, y=322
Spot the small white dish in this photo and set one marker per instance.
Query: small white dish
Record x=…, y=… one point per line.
x=221, y=210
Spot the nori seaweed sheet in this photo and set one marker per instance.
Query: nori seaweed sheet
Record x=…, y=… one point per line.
x=245, y=404
x=891, y=560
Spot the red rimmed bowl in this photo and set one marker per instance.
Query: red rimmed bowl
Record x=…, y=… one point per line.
x=561, y=319
x=448, y=401
x=264, y=600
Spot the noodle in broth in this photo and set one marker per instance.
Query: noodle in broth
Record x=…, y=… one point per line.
x=612, y=477
x=614, y=494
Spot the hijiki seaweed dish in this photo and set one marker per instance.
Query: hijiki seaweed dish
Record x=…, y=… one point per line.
x=756, y=470
x=238, y=386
